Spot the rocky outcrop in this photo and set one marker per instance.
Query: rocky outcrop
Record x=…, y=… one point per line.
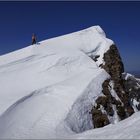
x=124, y=89
x=114, y=66
x=99, y=118
x=132, y=86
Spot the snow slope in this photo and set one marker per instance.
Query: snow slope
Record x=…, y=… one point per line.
x=126, y=129
x=48, y=89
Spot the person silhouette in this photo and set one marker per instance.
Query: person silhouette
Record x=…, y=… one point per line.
x=33, y=39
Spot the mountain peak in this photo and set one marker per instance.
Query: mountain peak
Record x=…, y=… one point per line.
x=98, y=29
x=91, y=41
x=63, y=86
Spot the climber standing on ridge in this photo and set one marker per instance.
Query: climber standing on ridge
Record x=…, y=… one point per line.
x=33, y=39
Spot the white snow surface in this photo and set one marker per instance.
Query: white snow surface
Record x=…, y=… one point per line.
x=48, y=89
x=126, y=129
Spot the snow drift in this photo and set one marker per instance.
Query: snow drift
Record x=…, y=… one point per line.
x=48, y=89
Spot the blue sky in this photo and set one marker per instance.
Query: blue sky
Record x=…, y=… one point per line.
x=120, y=21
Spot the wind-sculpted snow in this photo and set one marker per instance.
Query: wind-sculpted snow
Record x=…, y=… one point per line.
x=87, y=40
x=48, y=89
x=40, y=113
x=126, y=129
x=79, y=117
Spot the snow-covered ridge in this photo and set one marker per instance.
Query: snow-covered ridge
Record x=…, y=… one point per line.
x=47, y=89
x=91, y=41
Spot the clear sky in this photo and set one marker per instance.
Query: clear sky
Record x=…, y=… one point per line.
x=120, y=21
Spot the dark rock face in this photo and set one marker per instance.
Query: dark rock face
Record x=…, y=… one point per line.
x=95, y=57
x=114, y=66
x=124, y=106
x=99, y=118
x=113, y=63
x=132, y=86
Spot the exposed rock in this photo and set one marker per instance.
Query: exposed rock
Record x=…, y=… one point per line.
x=94, y=57
x=114, y=66
x=132, y=87
x=121, y=112
x=105, y=87
x=126, y=90
x=113, y=63
x=99, y=119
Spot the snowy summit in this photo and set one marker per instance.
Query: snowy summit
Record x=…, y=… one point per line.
x=49, y=90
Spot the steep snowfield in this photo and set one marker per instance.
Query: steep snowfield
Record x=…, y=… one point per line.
x=126, y=129
x=48, y=89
